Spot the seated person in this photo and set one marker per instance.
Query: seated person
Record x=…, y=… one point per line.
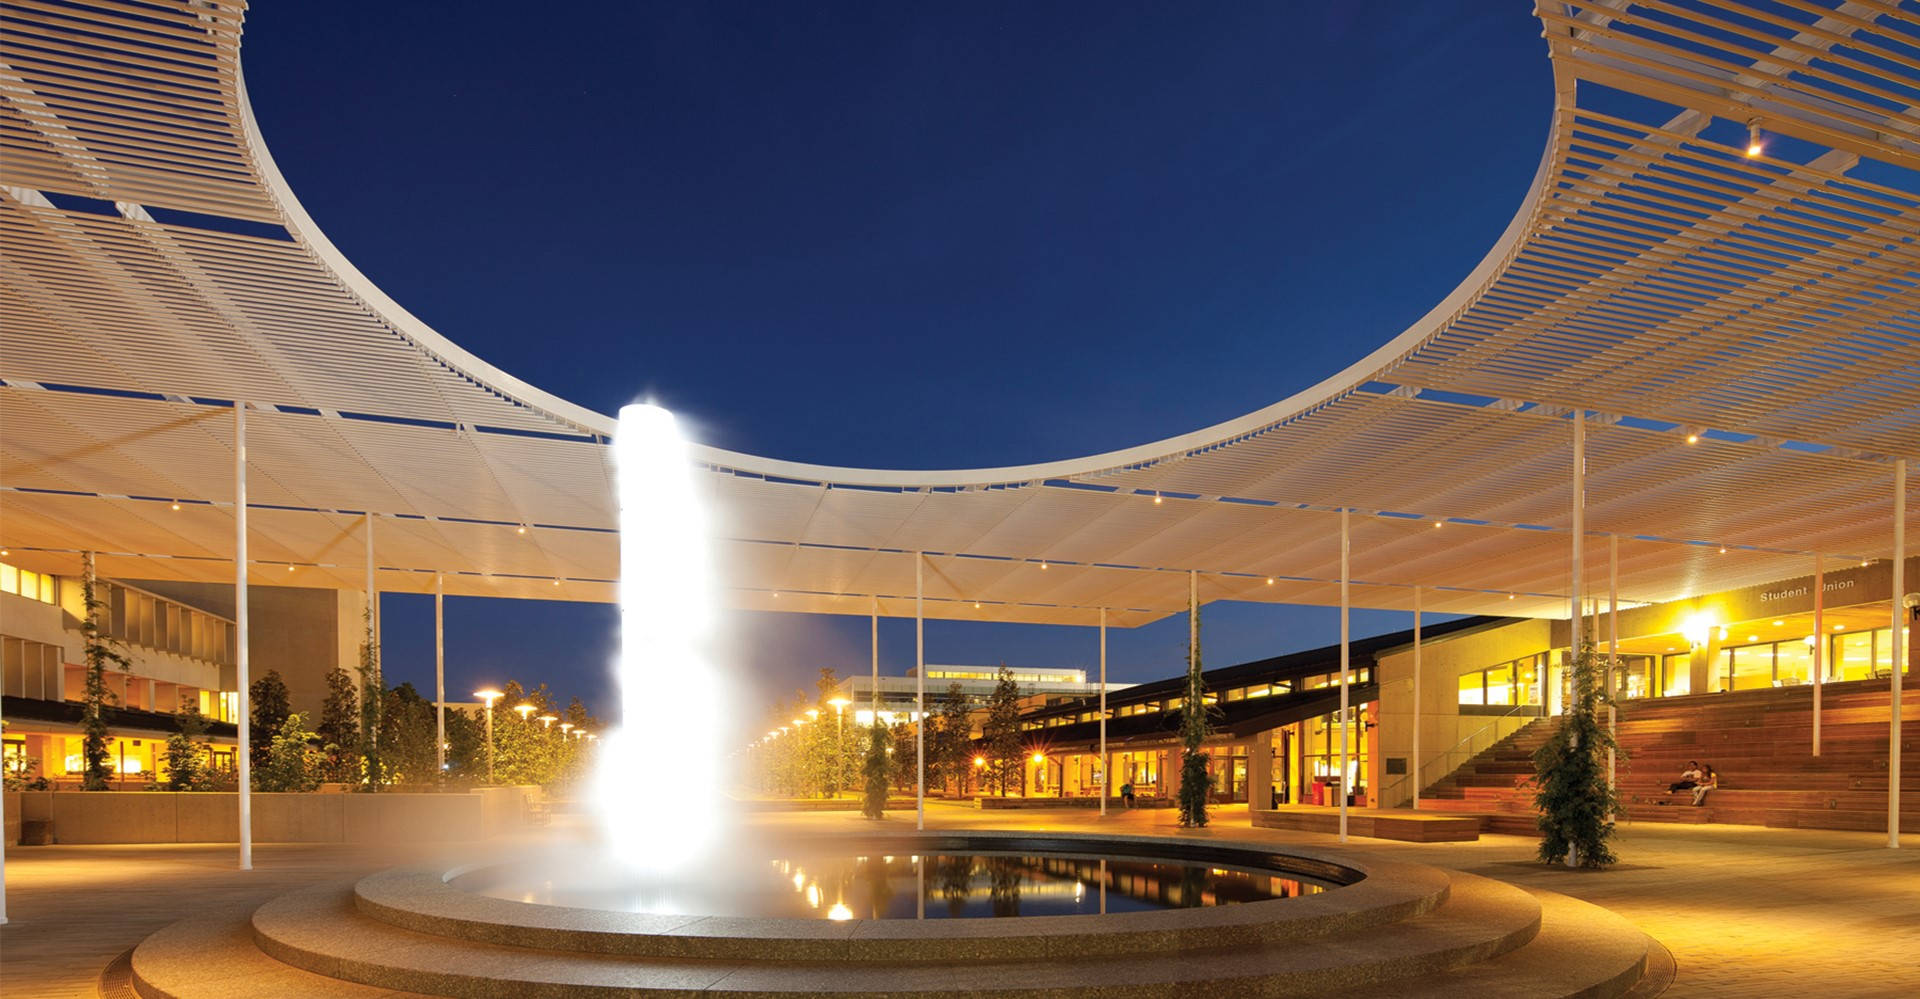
x=1708, y=781
x=1688, y=778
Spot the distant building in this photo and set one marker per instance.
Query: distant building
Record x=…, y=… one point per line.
x=1039, y=687
x=179, y=640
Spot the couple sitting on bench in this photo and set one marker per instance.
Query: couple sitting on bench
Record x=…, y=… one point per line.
x=1696, y=778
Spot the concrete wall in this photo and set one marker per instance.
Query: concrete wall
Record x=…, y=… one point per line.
x=1442, y=726
x=213, y=817
x=302, y=632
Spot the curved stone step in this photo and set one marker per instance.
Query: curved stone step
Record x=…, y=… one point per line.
x=215, y=958
x=1582, y=950
x=322, y=931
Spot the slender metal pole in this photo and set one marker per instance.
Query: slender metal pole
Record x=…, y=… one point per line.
x=1193, y=647
x=373, y=636
x=1106, y=779
x=1898, y=595
x=1819, y=640
x=439, y=677
x=1416, y=698
x=489, y=710
x=874, y=644
x=3, y=857
x=919, y=692
x=1613, y=642
x=242, y=760
x=1577, y=611
x=1346, y=550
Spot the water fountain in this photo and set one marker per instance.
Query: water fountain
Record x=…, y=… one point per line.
x=671, y=903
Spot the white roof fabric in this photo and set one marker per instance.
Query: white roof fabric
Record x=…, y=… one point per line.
x=154, y=266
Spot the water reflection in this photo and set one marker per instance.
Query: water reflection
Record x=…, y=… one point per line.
x=961, y=886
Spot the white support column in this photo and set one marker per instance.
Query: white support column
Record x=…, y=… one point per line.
x=873, y=643
x=1106, y=778
x=1899, y=593
x=373, y=628
x=1613, y=642
x=1346, y=675
x=3, y=857
x=919, y=692
x=1415, y=769
x=241, y=755
x=1819, y=641
x=1577, y=610
x=439, y=677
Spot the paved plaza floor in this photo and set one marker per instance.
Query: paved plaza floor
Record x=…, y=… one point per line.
x=1744, y=911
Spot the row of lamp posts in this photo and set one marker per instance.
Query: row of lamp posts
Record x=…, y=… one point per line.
x=567, y=729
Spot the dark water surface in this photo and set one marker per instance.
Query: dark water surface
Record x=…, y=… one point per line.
x=940, y=886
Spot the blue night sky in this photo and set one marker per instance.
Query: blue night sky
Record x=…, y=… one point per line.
x=902, y=235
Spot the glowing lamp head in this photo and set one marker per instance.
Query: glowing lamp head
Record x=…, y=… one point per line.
x=979, y=761
x=524, y=710
x=548, y=720
x=176, y=504
x=813, y=714
x=564, y=726
x=1039, y=757
x=489, y=695
x=839, y=704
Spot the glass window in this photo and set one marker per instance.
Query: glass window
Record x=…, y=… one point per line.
x=1677, y=671
x=1500, y=685
x=9, y=579
x=1473, y=688
x=1750, y=667
x=1792, y=664
x=1853, y=656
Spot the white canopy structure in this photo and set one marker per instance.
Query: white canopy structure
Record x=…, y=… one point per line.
x=1741, y=331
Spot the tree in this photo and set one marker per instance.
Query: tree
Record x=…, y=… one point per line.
x=268, y=709
x=100, y=652
x=292, y=763
x=339, y=730
x=1194, y=783
x=186, y=755
x=1001, y=733
x=874, y=805
x=372, y=702
x=407, y=737
x=900, y=754
x=955, y=753
x=1570, y=775
x=466, y=746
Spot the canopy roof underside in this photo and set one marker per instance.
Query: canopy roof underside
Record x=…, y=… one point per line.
x=154, y=267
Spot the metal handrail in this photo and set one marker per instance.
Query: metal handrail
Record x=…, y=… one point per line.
x=1493, y=725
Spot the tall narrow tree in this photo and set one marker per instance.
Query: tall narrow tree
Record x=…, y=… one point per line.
x=339, y=730
x=1001, y=732
x=1570, y=774
x=268, y=707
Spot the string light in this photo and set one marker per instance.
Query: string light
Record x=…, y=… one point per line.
x=1043, y=567
x=1269, y=580
x=176, y=504
x=1156, y=498
x=522, y=529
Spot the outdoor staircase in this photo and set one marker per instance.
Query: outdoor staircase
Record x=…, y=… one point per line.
x=1493, y=785
x=1760, y=741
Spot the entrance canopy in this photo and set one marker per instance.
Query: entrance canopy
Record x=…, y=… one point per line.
x=1742, y=333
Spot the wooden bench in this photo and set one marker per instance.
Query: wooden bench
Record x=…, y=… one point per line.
x=1374, y=823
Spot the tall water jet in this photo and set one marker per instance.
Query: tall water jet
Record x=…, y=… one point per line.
x=657, y=790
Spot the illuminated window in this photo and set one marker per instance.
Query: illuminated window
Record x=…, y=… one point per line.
x=25, y=583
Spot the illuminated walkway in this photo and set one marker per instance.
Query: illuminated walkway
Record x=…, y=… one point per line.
x=1745, y=911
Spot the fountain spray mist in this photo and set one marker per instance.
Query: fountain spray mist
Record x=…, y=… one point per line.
x=657, y=786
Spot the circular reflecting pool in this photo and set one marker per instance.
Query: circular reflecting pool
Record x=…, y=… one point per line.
x=933, y=886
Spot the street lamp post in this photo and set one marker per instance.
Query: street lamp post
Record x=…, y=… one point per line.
x=488, y=696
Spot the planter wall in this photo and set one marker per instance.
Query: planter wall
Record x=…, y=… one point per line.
x=214, y=816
